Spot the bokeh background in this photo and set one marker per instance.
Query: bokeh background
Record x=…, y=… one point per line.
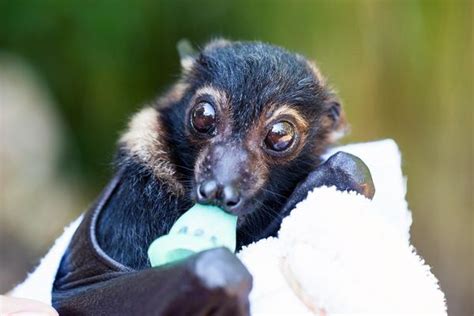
x=72, y=72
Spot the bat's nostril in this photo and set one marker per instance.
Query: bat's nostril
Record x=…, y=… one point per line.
x=231, y=196
x=207, y=190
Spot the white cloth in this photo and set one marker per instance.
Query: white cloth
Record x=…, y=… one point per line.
x=39, y=284
x=337, y=252
x=340, y=253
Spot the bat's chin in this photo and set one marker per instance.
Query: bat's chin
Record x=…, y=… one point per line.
x=242, y=221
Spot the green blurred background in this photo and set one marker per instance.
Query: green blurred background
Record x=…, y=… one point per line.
x=72, y=72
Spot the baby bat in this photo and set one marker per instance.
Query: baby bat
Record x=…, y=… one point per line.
x=244, y=128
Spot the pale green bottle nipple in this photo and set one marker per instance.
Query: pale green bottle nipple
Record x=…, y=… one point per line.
x=202, y=227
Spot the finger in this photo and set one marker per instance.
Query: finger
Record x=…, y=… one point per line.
x=347, y=173
x=217, y=282
x=21, y=306
x=220, y=269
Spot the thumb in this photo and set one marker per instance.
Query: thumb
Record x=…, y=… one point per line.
x=24, y=307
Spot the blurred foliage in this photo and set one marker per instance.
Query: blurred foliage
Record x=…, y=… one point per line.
x=403, y=68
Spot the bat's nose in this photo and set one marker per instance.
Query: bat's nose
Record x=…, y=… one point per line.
x=227, y=196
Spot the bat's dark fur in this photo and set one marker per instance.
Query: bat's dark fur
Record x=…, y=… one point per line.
x=252, y=76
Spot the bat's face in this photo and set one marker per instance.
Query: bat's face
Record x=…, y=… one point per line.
x=246, y=149
x=247, y=122
x=259, y=118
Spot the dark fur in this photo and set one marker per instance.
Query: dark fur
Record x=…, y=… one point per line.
x=252, y=75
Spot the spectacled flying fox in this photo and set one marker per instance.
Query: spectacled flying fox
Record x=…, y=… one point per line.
x=242, y=129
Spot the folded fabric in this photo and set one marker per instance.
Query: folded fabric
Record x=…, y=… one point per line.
x=337, y=252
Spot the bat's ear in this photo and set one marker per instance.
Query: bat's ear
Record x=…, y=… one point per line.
x=335, y=118
x=187, y=54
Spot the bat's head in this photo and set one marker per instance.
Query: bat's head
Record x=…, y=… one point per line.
x=246, y=122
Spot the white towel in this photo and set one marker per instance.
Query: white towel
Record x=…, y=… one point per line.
x=336, y=252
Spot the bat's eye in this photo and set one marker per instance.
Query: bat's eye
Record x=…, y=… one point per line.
x=203, y=118
x=280, y=136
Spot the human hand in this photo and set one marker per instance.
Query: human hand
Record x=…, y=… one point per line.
x=24, y=307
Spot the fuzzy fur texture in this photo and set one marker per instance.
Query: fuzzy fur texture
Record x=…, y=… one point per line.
x=312, y=266
x=145, y=144
x=164, y=160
